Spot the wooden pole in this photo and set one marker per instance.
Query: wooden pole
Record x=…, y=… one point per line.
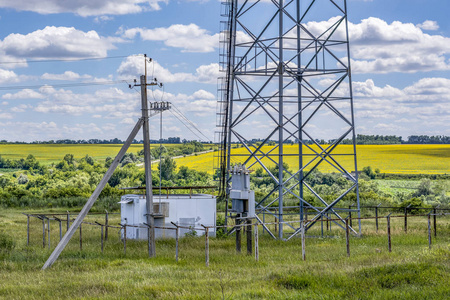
x=389, y=232
x=81, y=239
x=376, y=217
x=28, y=230
x=60, y=229
x=429, y=231
x=101, y=226
x=206, y=246
x=350, y=215
x=43, y=232
x=249, y=237
x=48, y=231
x=238, y=235
x=106, y=224
x=347, y=237
x=177, y=237
x=434, y=222
x=79, y=219
x=125, y=239
x=68, y=221
x=256, y=243
x=406, y=219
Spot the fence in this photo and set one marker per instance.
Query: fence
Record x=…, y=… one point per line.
x=251, y=229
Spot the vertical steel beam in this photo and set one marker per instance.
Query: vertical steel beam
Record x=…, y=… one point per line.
x=280, y=119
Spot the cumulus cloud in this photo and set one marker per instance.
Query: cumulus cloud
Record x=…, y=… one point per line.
x=7, y=76
x=132, y=67
x=419, y=108
x=429, y=25
x=84, y=8
x=190, y=38
x=380, y=47
x=67, y=75
x=56, y=42
x=24, y=94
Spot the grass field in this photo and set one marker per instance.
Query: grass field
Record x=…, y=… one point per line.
x=410, y=271
x=405, y=159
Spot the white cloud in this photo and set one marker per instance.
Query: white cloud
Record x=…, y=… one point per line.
x=6, y=116
x=421, y=108
x=24, y=94
x=133, y=67
x=67, y=75
x=429, y=25
x=191, y=38
x=56, y=42
x=84, y=8
x=379, y=47
x=7, y=76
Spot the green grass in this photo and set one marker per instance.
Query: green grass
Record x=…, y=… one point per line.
x=410, y=271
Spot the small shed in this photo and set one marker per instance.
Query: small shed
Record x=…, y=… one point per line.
x=189, y=211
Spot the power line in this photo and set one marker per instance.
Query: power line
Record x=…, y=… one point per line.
x=65, y=59
x=182, y=122
x=79, y=84
x=190, y=122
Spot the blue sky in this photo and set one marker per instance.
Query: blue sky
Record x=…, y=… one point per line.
x=400, y=59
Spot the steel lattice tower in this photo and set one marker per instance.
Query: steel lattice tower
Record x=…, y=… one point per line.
x=287, y=81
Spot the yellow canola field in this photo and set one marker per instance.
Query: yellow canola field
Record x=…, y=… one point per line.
x=406, y=159
x=48, y=153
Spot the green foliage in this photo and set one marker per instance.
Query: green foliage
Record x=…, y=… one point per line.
x=167, y=168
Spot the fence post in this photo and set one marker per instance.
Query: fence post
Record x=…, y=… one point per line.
x=256, y=242
x=101, y=232
x=81, y=238
x=389, y=231
x=302, y=224
x=101, y=226
x=238, y=235
x=429, y=231
x=43, y=232
x=347, y=237
x=106, y=224
x=249, y=236
x=125, y=239
x=406, y=218
x=68, y=220
x=28, y=230
x=434, y=222
x=177, y=237
x=350, y=215
x=376, y=216
x=321, y=225
x=48, y=231
x=206, y=244
x=60, y=227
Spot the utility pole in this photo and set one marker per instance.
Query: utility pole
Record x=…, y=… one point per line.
x=142, y=122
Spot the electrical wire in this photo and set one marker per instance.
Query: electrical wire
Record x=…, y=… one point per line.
x=190, y=122
x=62, y=85
x=65, y=60
x=182, y=122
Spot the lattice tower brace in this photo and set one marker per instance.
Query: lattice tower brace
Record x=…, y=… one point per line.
x=287, y=81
